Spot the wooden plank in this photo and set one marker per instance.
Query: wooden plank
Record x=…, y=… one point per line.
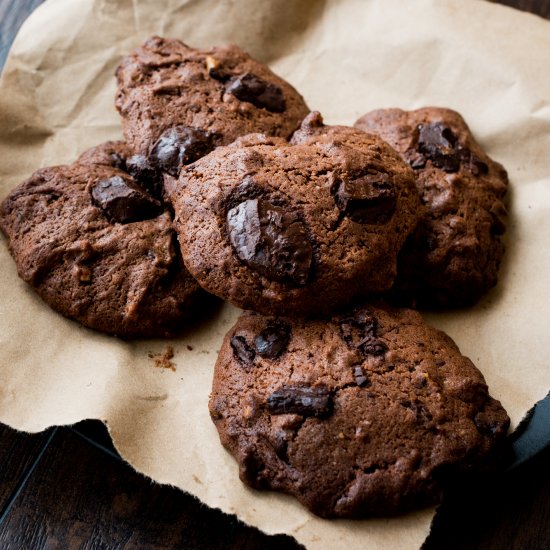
x=17, y=453
x=95, y=433
x=538, y=7
x=510, y=511
x=80, y=497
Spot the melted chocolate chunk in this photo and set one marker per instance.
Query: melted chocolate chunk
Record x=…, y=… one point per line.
x=357, y=327
x=271, y=240
x=262, y=94
x=477, y=166
x=360, y=332
x=360, y=377
x=303, y=400
x=139, y=167
x=281, y=447
x=123, y=201
x=487, y=426
x=422, y=414
x=369, y=345
x=241, y=349
x=252, y=470
x=178, y=146
x=439, y=144
x=472, y=163
x=247, y=189
x=273, y=340
x=117, y=161
x=417, y=161
x=366, y=199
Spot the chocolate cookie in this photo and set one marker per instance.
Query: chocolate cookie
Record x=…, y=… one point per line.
x=294, y=229
x=98, y=247
x=364, y=414
x=453, y=257
x=177, y=103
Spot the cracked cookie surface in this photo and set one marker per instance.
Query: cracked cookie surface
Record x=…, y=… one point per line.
x=294, y=229
x=99, y=247
x=453, y=257
x=221, y=91
x=363, y=414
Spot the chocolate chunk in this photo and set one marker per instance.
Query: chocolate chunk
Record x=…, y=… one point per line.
x=473, y=163
x=117, y=161
x=486, y=425
x=139, y=167
x=242, y=350
x=123, y=201
x=252, y=470
x=247, y=189
x=422, y=414
x=367, y=199
x=369, y=345
x=438, y=143
x=178, y=146
x=262, y=94
x=417, y=161
x=303, y=400
x=357, y=327
x=360, y=332
x=271, y=240
x=281, y=448
x=273, y=340
x=359, y=375
x=477, y=166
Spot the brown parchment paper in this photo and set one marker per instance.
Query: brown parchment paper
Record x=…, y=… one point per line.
x=346, y=56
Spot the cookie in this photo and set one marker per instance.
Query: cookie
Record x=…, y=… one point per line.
x=99, y=248
x=363, y=414
x=313, y=130
x=453, y=257
x=117, y=154
x=177, y=102
x=294, y=229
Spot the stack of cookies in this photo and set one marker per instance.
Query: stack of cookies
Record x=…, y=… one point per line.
x=227, y=185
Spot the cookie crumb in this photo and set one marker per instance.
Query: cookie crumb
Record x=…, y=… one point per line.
x=162, y=360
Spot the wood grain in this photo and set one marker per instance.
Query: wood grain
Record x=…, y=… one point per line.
x=17, y=454
x=511, y=511
x=538, y=7
x=80, y=497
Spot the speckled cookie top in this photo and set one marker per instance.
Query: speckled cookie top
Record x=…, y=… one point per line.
x=98, y=247
x=454, y=256
x=221, y=92
x=294, y=229
x=363, y=414
x=313, y=130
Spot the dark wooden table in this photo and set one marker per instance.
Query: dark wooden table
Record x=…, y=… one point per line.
x=67, y=488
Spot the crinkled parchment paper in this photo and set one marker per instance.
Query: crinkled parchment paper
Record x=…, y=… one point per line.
x=346, y=57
